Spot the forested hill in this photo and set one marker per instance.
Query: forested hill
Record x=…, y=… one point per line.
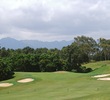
x=15, y=44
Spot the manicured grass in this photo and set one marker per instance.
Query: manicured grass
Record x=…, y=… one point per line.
x=101, y=67
x=59, y=86
x=98, y=64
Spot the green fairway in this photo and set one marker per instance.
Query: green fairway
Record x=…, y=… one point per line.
x=59, y=86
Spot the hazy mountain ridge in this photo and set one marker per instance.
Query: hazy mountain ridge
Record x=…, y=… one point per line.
x=15, y=44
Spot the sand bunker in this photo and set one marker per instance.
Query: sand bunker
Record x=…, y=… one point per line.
x=105, y=79
x=25, y=80
x=104, y=75
x=61, y=72
x=5, y=84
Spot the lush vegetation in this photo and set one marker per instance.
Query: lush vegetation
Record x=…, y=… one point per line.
x=6, y=69
x=60, y=86
x=70, y=58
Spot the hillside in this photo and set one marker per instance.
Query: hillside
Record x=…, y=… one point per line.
x=101, y=67
x=15, y=44
x=60, y=86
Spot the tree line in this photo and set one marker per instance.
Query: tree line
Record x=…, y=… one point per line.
x=70, y=58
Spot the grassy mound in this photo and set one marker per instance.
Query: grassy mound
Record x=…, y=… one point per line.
x=101, y=67
x=54, y=86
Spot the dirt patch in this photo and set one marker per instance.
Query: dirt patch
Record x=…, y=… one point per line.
x=5, y=84
x=104, y=75
x=26, y=80
x=104, y=79
x=61, y=72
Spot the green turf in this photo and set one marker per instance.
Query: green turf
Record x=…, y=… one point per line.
x=60, y=86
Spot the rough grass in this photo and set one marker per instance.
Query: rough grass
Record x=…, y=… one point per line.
x=60, y=86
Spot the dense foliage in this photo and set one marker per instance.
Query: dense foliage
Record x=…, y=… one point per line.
x=6, y=69
x=70, y=58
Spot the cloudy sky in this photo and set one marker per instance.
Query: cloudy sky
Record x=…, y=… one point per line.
x=50, y=20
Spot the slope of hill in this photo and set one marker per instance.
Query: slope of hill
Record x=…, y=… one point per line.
x=100, y=67
x=15, y=44
x=49, y=45
x=11, y=43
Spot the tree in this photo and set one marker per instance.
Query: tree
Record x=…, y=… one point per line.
x=6, y=69
x=4, y=52
x=74, y=57
x=105, y=48
x=26, y=62
x=28, y=50
x=87, y=44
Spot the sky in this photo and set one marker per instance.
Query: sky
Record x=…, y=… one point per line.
x=50, y=20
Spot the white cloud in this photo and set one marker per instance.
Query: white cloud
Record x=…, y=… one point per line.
x=54, y=19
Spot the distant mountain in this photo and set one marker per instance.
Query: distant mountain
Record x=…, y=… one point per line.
x=11, y=43
x=49, y=45
x=15, y=44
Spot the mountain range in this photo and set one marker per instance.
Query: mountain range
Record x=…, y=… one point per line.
x=12, y=43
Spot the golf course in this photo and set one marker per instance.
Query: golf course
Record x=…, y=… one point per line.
x=54, y=49
x=61, y=85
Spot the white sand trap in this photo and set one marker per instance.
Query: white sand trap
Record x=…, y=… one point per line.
x=25, y=80
x=104, y=79
x=104, y=75
x=61, y=72
x=5, y=84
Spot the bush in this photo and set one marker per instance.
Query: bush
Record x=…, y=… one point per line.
x=83, y=69
x=6, y=70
